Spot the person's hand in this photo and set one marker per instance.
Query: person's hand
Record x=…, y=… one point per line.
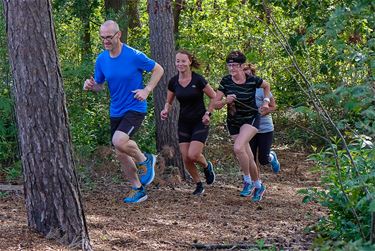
x=164, y=114
x=264, y=110
x=89, y=84
x=264, y=107
x=141, y=94
x=206, y=119
x=231, y=98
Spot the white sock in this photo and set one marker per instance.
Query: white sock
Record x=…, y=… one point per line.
x=270, y=157
x=258, y=184
x=247, y=179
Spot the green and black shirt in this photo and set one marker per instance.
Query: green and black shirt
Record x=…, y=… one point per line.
x=244, y=107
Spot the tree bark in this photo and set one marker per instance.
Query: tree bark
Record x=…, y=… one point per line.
x=133, y=13
x=372, y=234
x=178, y=7
x=127, y=14
x=117, y=7
x=86, y=52
x=162, y=50
x=52, y=195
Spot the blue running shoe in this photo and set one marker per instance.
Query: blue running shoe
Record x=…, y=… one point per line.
x=209, y=173
x=136, y=195
x=275, y=163
x=258, y=193
x=247, y=190
x=146, y=169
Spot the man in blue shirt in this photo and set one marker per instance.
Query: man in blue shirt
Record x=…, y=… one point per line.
x=122, y=67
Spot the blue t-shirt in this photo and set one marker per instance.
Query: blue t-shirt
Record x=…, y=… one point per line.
x=265, y=123
x=123, y=75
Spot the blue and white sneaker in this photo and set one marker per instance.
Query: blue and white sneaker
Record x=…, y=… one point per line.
x=136, y=195
x=247, y=190
x=209, y=173
x=275, y=164
x=146, y=169
x=258, y=193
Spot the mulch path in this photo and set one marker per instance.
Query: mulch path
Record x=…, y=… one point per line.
x=173, y=219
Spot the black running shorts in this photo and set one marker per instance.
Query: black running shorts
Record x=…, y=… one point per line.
x=192, y=131
x=234, y=128
x=129, y=123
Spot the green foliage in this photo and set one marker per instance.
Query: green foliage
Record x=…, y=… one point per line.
x=84, y=177
x=8, y=131
x=333, y=44
x=3, y=195
x=13, y=174
x=145, y=136
x=346, y=190
x=88, y=112
x=355, y=245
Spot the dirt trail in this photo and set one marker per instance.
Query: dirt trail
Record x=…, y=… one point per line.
x=173, y=219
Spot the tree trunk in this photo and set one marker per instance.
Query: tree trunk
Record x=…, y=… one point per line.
x=178, y=7
x=133, y=14
x=127, y=14
x=372, y=235
x=116, y=7
x=52, y=195
x=86, y=52
x=162, y=50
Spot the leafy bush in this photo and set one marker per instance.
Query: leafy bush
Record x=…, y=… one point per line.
x=8, y=131
x=347, y=190
x=88, y=111
x=14, y=173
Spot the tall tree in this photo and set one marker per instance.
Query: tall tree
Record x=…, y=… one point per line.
x=178, y=7
x=53, y=199
x=126, y=12
x=162, y=50
x=83, y=10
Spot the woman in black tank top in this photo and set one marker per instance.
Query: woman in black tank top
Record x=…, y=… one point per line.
x=189, y=88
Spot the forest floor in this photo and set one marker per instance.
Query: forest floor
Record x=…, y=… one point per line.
x=173, y=219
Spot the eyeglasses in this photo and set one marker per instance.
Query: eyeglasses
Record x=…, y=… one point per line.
x=233, y=65
x=108, y=37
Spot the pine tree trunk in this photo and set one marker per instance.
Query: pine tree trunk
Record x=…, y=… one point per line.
x=372, y=235
x=178, y=7
x=117, y=7
x=127, y=13
x=162, y=50
x=52, y=195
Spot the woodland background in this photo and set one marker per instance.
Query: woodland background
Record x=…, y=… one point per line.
x=317, y=55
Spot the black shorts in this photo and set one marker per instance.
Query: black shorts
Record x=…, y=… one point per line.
x=189, y=131
x=234, y=128
x=129, y=123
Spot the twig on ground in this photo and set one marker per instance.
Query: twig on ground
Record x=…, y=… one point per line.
x=229, y=246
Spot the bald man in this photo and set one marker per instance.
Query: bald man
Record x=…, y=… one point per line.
x=122, y=67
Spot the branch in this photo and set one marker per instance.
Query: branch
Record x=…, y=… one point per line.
x=317, y=103
x=322, y=112
x=230, y=246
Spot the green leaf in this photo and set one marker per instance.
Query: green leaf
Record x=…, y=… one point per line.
x=372, y=206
